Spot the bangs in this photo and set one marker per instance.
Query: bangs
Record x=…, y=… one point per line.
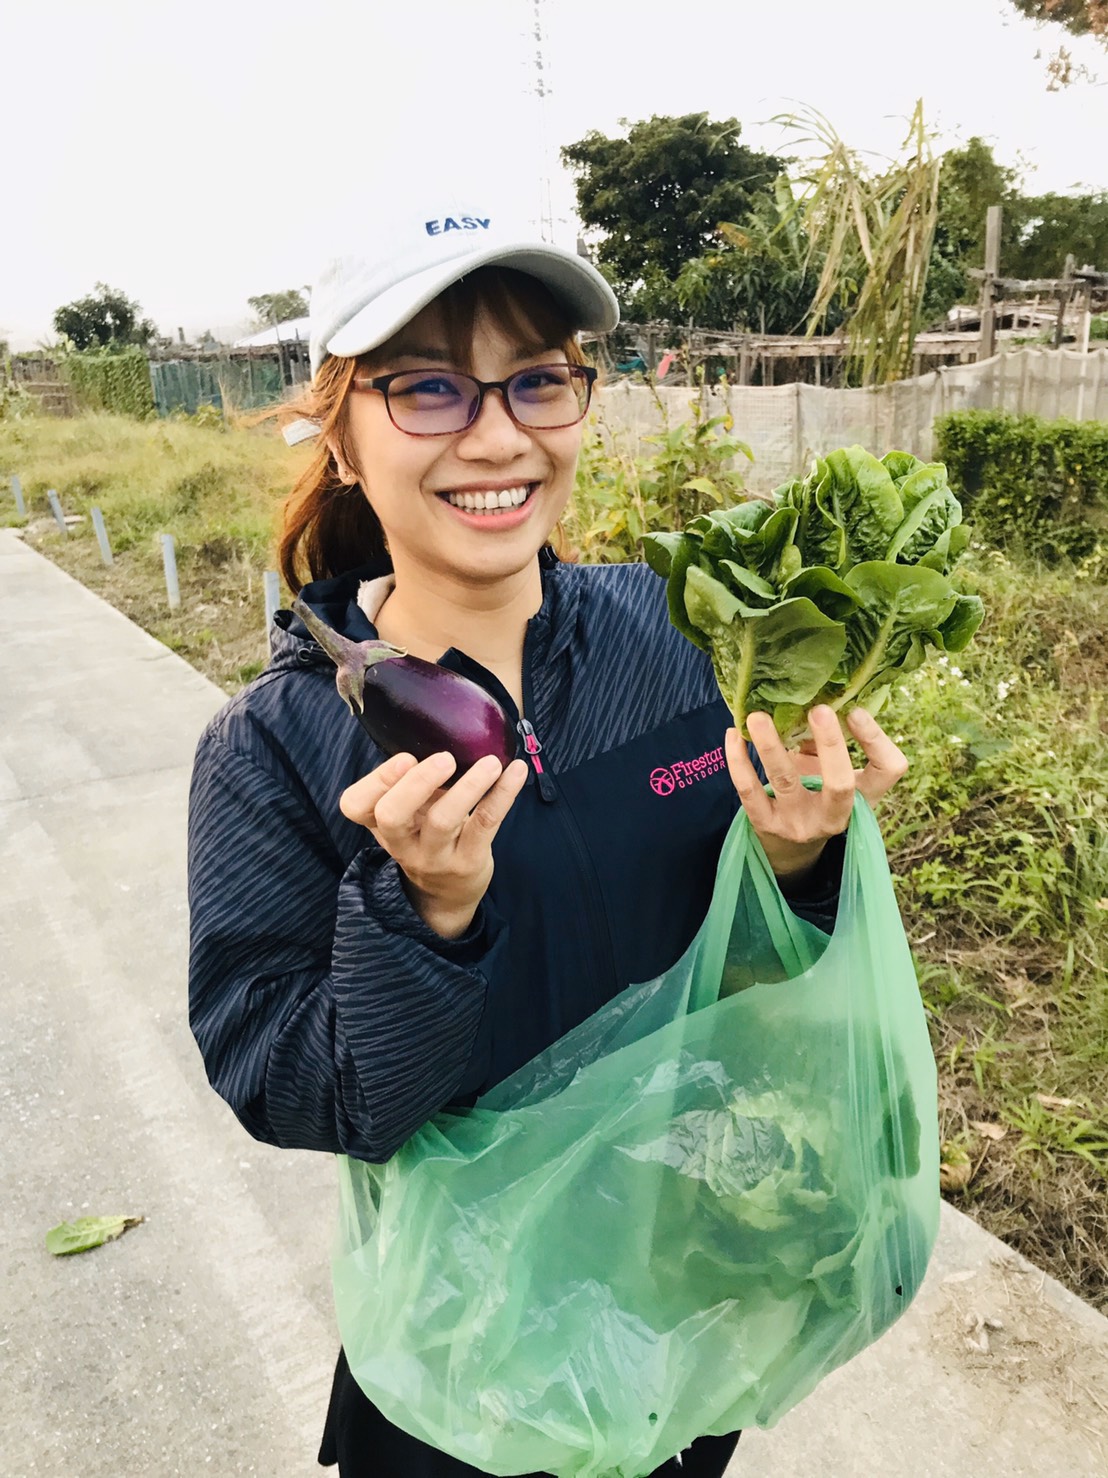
x=521, y=307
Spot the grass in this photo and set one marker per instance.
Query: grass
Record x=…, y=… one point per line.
x=997, y=837
x=998, y=844
x=216, y=490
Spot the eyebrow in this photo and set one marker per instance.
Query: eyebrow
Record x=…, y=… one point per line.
x=442, y=356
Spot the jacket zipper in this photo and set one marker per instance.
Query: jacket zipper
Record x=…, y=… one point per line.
x=531, y=743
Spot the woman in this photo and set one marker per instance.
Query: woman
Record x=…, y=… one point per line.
x=368, y=945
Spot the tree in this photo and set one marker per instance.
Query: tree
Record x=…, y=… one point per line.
x=1079, y=17
x=274, y=308
x=874, y=230
x=970, y=180
x=659, y=195
x=105, y=319
x=1051, y=227
x=764, y=278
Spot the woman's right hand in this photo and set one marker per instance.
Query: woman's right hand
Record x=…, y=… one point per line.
x=441, y=839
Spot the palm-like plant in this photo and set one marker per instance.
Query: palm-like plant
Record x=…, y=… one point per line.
x=873, y=231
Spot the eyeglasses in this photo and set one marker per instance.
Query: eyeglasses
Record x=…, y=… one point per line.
x=545, y=397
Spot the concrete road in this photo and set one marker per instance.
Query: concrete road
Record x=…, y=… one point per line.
x=201, y=1342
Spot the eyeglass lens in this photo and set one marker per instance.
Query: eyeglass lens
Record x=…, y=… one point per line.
x=542, y=398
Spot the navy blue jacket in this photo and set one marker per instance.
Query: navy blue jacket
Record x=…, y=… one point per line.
x=329, y=1016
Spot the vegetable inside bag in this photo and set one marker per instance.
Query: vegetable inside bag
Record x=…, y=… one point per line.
x=676, y=1220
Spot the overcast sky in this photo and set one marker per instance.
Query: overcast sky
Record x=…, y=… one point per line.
x=195, y=156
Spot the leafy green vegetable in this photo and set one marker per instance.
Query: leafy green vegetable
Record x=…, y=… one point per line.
x=87, y=1232
x=828, y=594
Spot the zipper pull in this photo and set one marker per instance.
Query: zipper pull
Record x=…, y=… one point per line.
x=533, y=747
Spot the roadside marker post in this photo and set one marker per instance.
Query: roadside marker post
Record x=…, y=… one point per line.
x=102, y=536
x=169, y=562
x=17, y=489
x=56, y=508
x=272, y=596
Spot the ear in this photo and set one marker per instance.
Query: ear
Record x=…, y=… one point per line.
x=346, y=474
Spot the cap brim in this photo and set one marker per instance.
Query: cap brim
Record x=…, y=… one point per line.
x=576, y=284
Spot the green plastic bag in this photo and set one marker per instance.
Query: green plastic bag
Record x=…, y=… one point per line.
x=676, y=1220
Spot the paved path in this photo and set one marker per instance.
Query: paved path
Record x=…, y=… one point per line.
x=201, y=1341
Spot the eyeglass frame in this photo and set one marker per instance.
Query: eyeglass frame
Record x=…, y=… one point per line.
x=381, y=383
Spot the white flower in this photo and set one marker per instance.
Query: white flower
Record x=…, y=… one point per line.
x=955, y=739
x=944, y=661
x=904, y=691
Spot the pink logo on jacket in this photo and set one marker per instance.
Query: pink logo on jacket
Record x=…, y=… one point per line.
x=682, y=773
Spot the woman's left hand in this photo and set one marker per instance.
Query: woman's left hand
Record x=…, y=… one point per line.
x=794, y=824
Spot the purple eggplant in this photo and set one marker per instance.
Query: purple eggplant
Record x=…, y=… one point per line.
x=409, y=706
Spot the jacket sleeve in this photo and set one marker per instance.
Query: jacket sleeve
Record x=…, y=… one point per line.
x=329, y=1016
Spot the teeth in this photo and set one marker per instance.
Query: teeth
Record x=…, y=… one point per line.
x=490, y=501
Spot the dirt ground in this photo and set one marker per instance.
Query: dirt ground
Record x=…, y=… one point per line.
x=1000, y=1332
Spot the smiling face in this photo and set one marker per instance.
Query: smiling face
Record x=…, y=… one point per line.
x=473, y=506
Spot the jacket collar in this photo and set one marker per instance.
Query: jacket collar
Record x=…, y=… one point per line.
x=336, y=602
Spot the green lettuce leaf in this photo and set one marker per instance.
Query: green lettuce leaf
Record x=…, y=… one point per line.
x=829, y=595
x=86, y=1233
x=897, y=605
x=860, y=496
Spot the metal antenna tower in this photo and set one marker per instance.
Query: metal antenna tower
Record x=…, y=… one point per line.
x=541, y=89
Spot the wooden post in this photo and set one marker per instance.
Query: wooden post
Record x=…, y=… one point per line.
x=744, y=362
x=1064, y=297
x=1083, y=347
x=798, y=430
x=993, y=220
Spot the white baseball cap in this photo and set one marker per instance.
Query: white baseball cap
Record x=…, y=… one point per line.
x=403, y=261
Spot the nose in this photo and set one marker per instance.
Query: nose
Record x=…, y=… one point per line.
x=493, y=436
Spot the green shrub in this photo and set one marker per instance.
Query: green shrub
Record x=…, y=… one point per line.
x=692, y=466
x=1029, y=485
x=107, y=380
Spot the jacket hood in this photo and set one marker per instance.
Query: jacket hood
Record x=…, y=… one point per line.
x=335, y=601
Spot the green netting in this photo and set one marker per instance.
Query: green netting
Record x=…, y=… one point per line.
x=183, y=385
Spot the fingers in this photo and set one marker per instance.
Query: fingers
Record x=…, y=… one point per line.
x=801, y=815
x=489, y=812
x=358, y=801
x=398, y=799
x=745, y=779
x=450, y=813
x=776, y=760
x=886, y=764
x=390, y=809
x=835, y=765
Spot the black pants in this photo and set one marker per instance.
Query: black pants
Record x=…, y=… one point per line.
x=365, y=1445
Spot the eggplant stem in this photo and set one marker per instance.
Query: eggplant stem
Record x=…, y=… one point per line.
x=352, y=658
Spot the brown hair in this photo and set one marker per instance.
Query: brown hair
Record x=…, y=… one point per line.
x=328, y=525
